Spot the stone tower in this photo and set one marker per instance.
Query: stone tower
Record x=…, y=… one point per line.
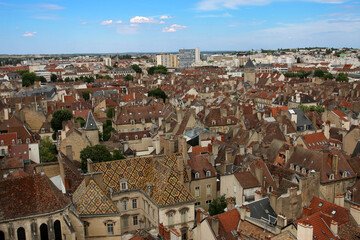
x=249, y=72
x=91, y=129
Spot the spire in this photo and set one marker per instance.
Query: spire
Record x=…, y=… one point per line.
x=249, y=64
x=90, y=122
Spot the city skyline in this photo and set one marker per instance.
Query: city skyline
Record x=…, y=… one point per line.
x=61, y=26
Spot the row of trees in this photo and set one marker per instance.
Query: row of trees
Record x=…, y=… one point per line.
x=301, y=74
x=318, y=109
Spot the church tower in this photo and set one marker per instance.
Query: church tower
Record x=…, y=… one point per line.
x=249, y=72
x=91, y=129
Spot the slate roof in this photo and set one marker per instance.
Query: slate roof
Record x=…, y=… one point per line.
x=301, y=118
x=90, y=122
x=95, y=202
x=249, y=64
x=262, y=209
x=159, y=172
x=29, y=195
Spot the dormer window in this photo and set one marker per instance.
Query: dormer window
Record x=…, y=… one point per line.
x=213, y=122
x=132, y=122
x=42, y=130
x=28, y=140
x=127, y=138
x=136, y=137
x=208, y=174
x=348, y=195
x=143, y=120
x=197, y=175
x=123, y=184
x=229, y=121
x=13, y=142
x=303, y=170
x=2, y=142
x=331, y=176
x=298, y=168
x=19, y=141
x=292, y=166
x=343, y=174
x=144, y=136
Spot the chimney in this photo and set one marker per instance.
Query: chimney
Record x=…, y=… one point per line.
x=230, y=204
x=339, y=200
x=281, y=221
x=198, y=216
x=327, y=130
x=334, y=227
x=355, y=213
x=285, y=129
x=288, y=153
x=305, y=231
x=89, y=165
x=335, y=164
x=171, y=146
x=215, y=225
x=259, y=175
x=69, y=152
x=166, y=146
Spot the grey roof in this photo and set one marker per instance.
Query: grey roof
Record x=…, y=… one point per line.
x=262, y=210
x=302, y=120
x=48, y=90
x=249, y=64
x=105, y=93
x=90, y=122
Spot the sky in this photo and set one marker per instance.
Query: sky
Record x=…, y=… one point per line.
x=107, y=26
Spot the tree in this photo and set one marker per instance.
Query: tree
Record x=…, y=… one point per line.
x=110, y=112
x=86, y=95
x=28, y=79
x=157, y=93
x=48, y=151
x=342, y=78
x=328, y=76
x=97, y=153
x=129, y=77
x=319, y=73
x=298, y=60
x=117, y=155
x=136, y=68
x=107, y=130
x=53, y=78
x=158, y=70
x=218, y=205
x=81, y=120
x=41, y=79
x=58, y=117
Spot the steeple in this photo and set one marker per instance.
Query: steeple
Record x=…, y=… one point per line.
x=90, y=122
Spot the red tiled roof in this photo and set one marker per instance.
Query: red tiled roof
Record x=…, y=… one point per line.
x=246, y=180
x=29, y=195
x=315, y=141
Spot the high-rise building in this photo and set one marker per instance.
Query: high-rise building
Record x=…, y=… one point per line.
x=167, y=60
x=107, y=61
x=188, y=56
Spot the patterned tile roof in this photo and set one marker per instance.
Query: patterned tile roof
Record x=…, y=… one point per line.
x=95, y=202
x=159, y=173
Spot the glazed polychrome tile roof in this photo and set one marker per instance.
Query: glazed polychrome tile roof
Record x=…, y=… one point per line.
x=166, y=187
x=95, y=202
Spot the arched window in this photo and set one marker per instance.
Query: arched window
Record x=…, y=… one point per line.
x=208, y=173
x=21, y=233
x=197, y=175
x=44, y=235
x=57, y=229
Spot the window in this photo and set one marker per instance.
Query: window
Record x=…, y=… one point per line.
x=145, y=136
x=28, y=140
x=124, y=203
x=110, y=228
x=197, y=191
x=197, y=204
x=132, y=122
x=134, y=203
x=13, y=142
x=183, y=216
x=213, y=122
x=135, y=220
x=208, y=173
x=208, y=204
x=42, y=130
x=136, y=137
x=127, y=138
x=197, y=175
x=86, y=228
x=234, y=189
x=144, y=203
x=19, y=141
x=2, y=142
x=208, y=189
x=171, y=219
x=123, y=186
x=125, y=221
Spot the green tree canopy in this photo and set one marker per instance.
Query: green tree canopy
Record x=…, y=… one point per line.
x=136, y=68
x=53, y=78
x=58, y=117
x=158, y=70
x=218, y=205
x=107, y=130
x=117, y=155
x=129, y=77
x=157, y=93
x=28, y=79
x=319, y=73
x=342, y=77
x=81, y=120
x=328, y=76
x=110, y=112
x=48, y=152
x=97, y=153
x=86, y=95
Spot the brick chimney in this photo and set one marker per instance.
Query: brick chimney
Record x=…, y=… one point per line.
x=339, y=200
x=230, y=204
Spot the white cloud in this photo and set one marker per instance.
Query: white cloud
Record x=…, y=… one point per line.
x=161, y=22
x=29, y=34
x=141, y=19
x=173, y=28
x=166, y=17
x=209, y=5
x=127, y=29
x=84, y=23
x=118, y=21
x=106, y=22
x=51, y=7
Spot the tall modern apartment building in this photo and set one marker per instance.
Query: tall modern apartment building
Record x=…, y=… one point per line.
x=188, y=56
x=167, y=60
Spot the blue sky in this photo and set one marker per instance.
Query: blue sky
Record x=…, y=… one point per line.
x=92, y=26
